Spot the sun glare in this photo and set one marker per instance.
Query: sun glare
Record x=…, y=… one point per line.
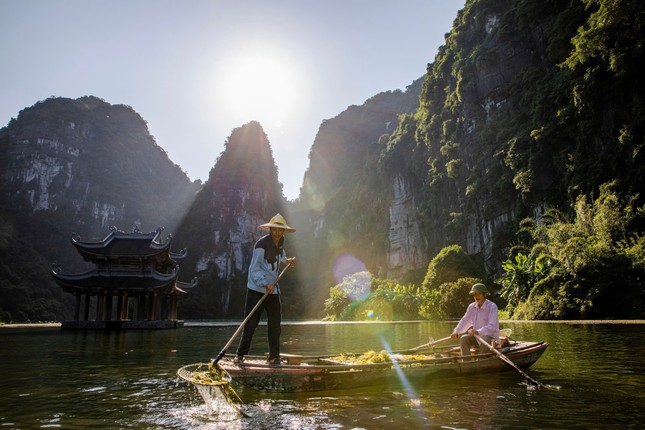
x=258, y=87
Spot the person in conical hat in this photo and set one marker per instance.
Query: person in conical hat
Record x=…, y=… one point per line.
x=268, y=253
x=481, y=318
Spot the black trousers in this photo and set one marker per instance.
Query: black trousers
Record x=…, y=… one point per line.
x=273, y=308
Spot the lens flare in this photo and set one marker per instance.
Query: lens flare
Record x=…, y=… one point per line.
x=407, y=387
x=356, y=286
x=347, y=265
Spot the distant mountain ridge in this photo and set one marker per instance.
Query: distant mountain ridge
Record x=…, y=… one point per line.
x=78, y=157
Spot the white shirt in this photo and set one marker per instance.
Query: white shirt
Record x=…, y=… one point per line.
x=485, y=320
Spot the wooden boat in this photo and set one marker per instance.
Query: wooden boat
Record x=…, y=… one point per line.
x=324, y=373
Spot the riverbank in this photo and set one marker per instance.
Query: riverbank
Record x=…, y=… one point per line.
x=32, y=325
x=229, y=323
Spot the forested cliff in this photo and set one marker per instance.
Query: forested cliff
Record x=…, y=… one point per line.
x=516, y=160
x=526, y=108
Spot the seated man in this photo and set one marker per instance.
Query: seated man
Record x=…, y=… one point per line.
x=480, y=319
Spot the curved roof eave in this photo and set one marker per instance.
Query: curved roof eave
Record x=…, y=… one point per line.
x=119, y=244
x=94, y=280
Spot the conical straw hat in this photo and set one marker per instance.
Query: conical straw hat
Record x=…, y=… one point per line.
x=278, y=221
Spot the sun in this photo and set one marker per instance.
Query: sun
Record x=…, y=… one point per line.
x=258, y=87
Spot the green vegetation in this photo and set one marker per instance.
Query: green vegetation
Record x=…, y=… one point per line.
x=589, y=267
x=364, y=297
x=368, y=357
x=443, y=293
x=542, y=150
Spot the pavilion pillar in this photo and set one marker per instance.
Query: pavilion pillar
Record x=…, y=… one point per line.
x=86, y=316
x=141, y=306
x=173, y=308
x=100, y=305
x=119, y=306
x=77, y=309
x=124, y=309
x=108, y=305
x=153, y=306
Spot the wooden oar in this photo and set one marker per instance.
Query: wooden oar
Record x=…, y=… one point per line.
x=246, y=320
x=506, y=332
x=509, y=362
x=429, y=344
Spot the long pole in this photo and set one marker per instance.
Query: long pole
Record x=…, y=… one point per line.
x=248, y=317
x=509, y=362
x=429, y=344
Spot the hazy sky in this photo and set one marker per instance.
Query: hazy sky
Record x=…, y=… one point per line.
x=197, y=69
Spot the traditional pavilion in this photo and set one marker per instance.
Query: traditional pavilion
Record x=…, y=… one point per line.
x=133, y=285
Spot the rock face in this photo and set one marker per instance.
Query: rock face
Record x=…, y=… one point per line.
x=91, y=162
x=344, y=204
x=407, y=246
x=505, y=49
x=472, y=106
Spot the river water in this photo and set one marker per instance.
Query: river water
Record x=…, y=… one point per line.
x=127, y=380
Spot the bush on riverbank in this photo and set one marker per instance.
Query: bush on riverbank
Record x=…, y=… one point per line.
x=588, y=267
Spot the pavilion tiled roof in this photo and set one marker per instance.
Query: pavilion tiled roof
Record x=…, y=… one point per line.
x=126, y=261
x=119, y=245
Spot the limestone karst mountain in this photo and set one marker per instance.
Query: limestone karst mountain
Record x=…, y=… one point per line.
x=242, y=192
x=76, y=166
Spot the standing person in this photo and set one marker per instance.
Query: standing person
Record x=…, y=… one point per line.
x=481, y=316
x=263, y=273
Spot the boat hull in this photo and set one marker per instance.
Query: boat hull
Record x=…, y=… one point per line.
x=317, y=375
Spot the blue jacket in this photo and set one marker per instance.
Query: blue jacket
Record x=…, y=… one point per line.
x=265, y=264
